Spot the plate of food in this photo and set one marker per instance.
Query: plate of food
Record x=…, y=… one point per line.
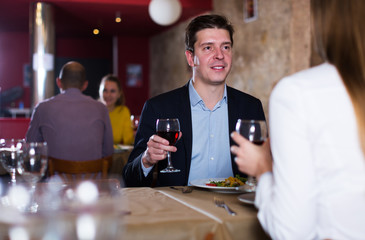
x=223, y=185
x=248, y=198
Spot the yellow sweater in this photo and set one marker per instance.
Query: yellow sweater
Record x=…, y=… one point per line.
x=120, y=119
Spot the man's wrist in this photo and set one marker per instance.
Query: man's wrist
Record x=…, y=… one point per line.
x=145, y=161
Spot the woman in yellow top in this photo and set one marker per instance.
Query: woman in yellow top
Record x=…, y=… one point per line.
x=112, y=96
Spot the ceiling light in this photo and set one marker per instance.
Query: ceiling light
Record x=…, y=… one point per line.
x=164, y=12
x=118, y=19
x=96, y=31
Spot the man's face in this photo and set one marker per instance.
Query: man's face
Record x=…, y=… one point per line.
x=212, y=57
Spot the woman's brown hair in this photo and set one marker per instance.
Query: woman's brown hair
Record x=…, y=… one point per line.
x=339, y=37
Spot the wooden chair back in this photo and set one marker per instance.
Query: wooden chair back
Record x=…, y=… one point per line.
x=79, y=170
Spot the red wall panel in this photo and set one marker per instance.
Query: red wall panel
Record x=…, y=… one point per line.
x=134, y=50
x=14, y=54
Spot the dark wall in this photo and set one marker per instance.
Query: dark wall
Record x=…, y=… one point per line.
x=94, y=54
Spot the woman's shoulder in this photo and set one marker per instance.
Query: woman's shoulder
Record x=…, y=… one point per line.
x=318, y=77
x=121, y=109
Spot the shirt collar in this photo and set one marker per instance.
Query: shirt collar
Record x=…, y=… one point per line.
x=71, y=90
x=196, y=99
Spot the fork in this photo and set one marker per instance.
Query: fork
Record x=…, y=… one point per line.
x=220, y=203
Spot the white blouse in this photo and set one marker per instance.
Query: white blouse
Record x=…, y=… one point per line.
x=317, y=188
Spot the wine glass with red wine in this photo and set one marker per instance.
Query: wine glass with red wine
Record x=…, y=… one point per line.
x=256, y=132
x=168, y=129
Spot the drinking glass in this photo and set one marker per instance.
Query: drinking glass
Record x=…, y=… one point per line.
x=256, y=132
x=168, y=129
x=32, y=165
x=135, y=121
x=9, y=155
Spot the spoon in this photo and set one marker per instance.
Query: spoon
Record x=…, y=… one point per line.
x=185, y=189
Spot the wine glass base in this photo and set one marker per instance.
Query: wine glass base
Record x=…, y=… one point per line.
x=251, y=184
x=170, y=170
x=248, y=188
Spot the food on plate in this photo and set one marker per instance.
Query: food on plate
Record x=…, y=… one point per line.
x=229, y=182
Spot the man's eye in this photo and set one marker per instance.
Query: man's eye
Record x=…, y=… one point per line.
x=207, y=48
x=227, y=47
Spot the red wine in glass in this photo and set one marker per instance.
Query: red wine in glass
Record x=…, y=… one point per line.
x=169, y=136
x=258, y=142
x=168, y=129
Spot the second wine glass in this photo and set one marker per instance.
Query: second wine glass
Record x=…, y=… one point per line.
x=32, y=165
x=168, y=129
x=256, y=132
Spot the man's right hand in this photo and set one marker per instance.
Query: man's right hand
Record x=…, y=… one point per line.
x=157, y=148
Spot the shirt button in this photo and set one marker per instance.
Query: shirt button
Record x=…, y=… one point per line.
x=212, y=135
x=212, y=158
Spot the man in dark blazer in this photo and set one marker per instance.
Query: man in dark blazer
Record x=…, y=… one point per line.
x=209, y=41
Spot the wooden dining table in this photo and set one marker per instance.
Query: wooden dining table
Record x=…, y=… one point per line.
x=166, y=213
x=146, y=213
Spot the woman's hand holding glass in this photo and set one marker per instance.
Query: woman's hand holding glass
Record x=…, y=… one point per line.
x=253, y=155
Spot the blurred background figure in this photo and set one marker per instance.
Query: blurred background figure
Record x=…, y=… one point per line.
x=315, y=186
x=75, y=126
x=111, y=94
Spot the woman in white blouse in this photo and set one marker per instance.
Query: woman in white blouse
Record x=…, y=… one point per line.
x=314, y=188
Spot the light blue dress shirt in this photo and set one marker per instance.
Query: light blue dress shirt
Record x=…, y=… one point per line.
x=211, y=156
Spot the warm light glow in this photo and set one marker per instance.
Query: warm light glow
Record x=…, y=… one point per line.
x=87, y=192
x=86, y=227
x=38, y=19
x=16, y=233
x=96, y=31
x=118, y=19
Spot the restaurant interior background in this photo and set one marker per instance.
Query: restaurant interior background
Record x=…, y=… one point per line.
x=268, y=46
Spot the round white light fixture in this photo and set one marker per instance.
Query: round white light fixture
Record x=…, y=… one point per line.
x=164, y=12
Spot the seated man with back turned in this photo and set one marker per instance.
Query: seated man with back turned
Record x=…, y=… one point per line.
x=75, y=127
x=207, y=110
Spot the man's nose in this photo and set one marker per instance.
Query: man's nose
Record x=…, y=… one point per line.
x=218, y=54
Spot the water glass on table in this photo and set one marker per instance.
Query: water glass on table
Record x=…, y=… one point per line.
x=9, y=149
x=135, y=122
x=256, y=132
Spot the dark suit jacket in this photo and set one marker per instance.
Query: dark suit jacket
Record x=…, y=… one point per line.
x=176, y=104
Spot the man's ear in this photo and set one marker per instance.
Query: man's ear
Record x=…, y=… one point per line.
x=189, y=58
x=59, y=83
x=84, y=86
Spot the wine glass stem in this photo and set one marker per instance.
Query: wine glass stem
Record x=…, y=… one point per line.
x=251, y=182
x=32, y=202
x=12, y=175
x=169, y=165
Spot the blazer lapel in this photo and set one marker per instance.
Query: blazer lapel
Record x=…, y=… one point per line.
x=186, y=127
x=233, y=112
